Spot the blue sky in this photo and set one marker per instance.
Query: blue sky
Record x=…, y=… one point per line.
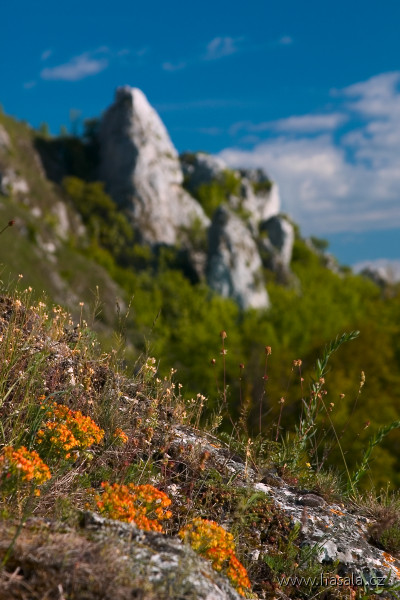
x=308, y=91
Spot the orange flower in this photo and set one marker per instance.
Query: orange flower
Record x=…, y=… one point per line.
x=24, y=465
x=68, y=431
x=216, y=544
x=143, y=505
x=119, y=436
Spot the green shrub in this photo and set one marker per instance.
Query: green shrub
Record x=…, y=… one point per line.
x=211, y=195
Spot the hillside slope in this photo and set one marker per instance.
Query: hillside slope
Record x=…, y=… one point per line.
x=244, y=269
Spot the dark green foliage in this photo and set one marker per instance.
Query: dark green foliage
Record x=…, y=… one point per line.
x=211, y=195
x=262, y=186
x=68, y=154
x=319, y=243
x=390, y=539
x=291, y=560
x=107, y=227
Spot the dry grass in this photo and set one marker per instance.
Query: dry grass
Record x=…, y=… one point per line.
x=50, y=564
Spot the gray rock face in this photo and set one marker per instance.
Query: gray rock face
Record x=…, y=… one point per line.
x=277, y=246
x=234, y=267
x=171, y=569
x=339, y=533
x=141, y=169
x=199, y=168
x=380, y=275
x=258, y=197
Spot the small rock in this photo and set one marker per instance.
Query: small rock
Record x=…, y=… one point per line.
x=310, y=500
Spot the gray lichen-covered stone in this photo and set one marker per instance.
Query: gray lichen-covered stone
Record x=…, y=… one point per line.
x=276, y=243
x=141, y=169
x=338, y=534
x=234, y=267
x=172, y=569
x=258, y=197
x=199, y=168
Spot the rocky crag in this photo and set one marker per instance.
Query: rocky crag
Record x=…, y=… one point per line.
x=143, y=174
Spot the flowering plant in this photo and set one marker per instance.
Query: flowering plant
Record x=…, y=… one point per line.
x=216, y=544
x=22, y=466
x=68, y=431
x=143, y=505
x=119, y=437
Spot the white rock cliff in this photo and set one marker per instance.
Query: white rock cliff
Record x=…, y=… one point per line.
x=141, y=169
x=234, y=264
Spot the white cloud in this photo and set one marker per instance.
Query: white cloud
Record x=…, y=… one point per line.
x=222, y=46
x=217, y=48
x=350, y=182
x=169, y=66
x=79, y=67
x=295, y=124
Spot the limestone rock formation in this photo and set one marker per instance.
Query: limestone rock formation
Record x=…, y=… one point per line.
x=163, y=561
x=260, y=195
x=257, y=196
x=276, y=244
x=199, y=168
x=141, y=169
x=338, y=533
x=234, y=267
x=381, y=275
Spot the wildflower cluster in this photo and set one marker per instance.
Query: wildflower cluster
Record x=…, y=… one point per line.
x=143, y=505
x=68, y=431
x=119, y=437
x=21, y=466
x=216, y=544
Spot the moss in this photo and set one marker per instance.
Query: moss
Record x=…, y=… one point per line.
x=263, y=186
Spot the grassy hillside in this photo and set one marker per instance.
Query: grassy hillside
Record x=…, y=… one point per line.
x=71, y=241
x=78, y=435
